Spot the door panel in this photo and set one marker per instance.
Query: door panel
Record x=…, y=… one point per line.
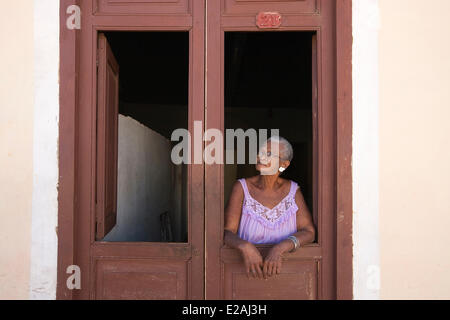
x=310, y=272
x=144, y=271
x=240, y=7
x=141, y=279
x=298, y=281
x=139, y=7
x=135, y=270
x=108, y=109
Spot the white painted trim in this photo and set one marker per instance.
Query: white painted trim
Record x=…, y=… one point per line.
x=366, y=256
x=44, y=242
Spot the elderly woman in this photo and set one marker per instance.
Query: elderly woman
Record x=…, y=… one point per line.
x=267, y=209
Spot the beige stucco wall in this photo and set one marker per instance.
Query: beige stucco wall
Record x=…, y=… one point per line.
x=414, y=61
x=16, y=141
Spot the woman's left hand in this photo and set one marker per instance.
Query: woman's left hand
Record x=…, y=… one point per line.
x=272, y=262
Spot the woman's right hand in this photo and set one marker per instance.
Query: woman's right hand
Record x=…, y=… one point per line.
x=252, y=259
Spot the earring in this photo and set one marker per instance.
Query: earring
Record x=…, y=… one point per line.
x=281, y=169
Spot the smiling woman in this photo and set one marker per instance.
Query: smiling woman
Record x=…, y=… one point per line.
x=280, y=216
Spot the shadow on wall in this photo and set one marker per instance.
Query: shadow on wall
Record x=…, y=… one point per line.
x=149, y=195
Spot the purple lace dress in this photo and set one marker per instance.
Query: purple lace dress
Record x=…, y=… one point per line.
x=260, y=224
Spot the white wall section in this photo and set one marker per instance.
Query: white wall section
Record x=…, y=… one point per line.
x=44, y=241
x=366, y=256
x=143, y=184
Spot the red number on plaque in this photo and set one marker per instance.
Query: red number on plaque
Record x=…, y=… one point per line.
x=268, y=20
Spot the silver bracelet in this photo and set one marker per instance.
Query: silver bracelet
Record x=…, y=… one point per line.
x=295, y=241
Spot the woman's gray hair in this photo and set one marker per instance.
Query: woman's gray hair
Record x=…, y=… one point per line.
x=287, y=152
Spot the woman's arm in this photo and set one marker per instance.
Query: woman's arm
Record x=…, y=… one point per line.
x=252, y=258
x=306, y=233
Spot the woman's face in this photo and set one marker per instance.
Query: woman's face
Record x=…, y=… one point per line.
x=268, y=160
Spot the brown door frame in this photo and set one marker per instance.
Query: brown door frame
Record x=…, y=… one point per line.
x=344, y=134
x=71, y=159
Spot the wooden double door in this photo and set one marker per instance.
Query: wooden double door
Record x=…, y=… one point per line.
x=203, y=267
